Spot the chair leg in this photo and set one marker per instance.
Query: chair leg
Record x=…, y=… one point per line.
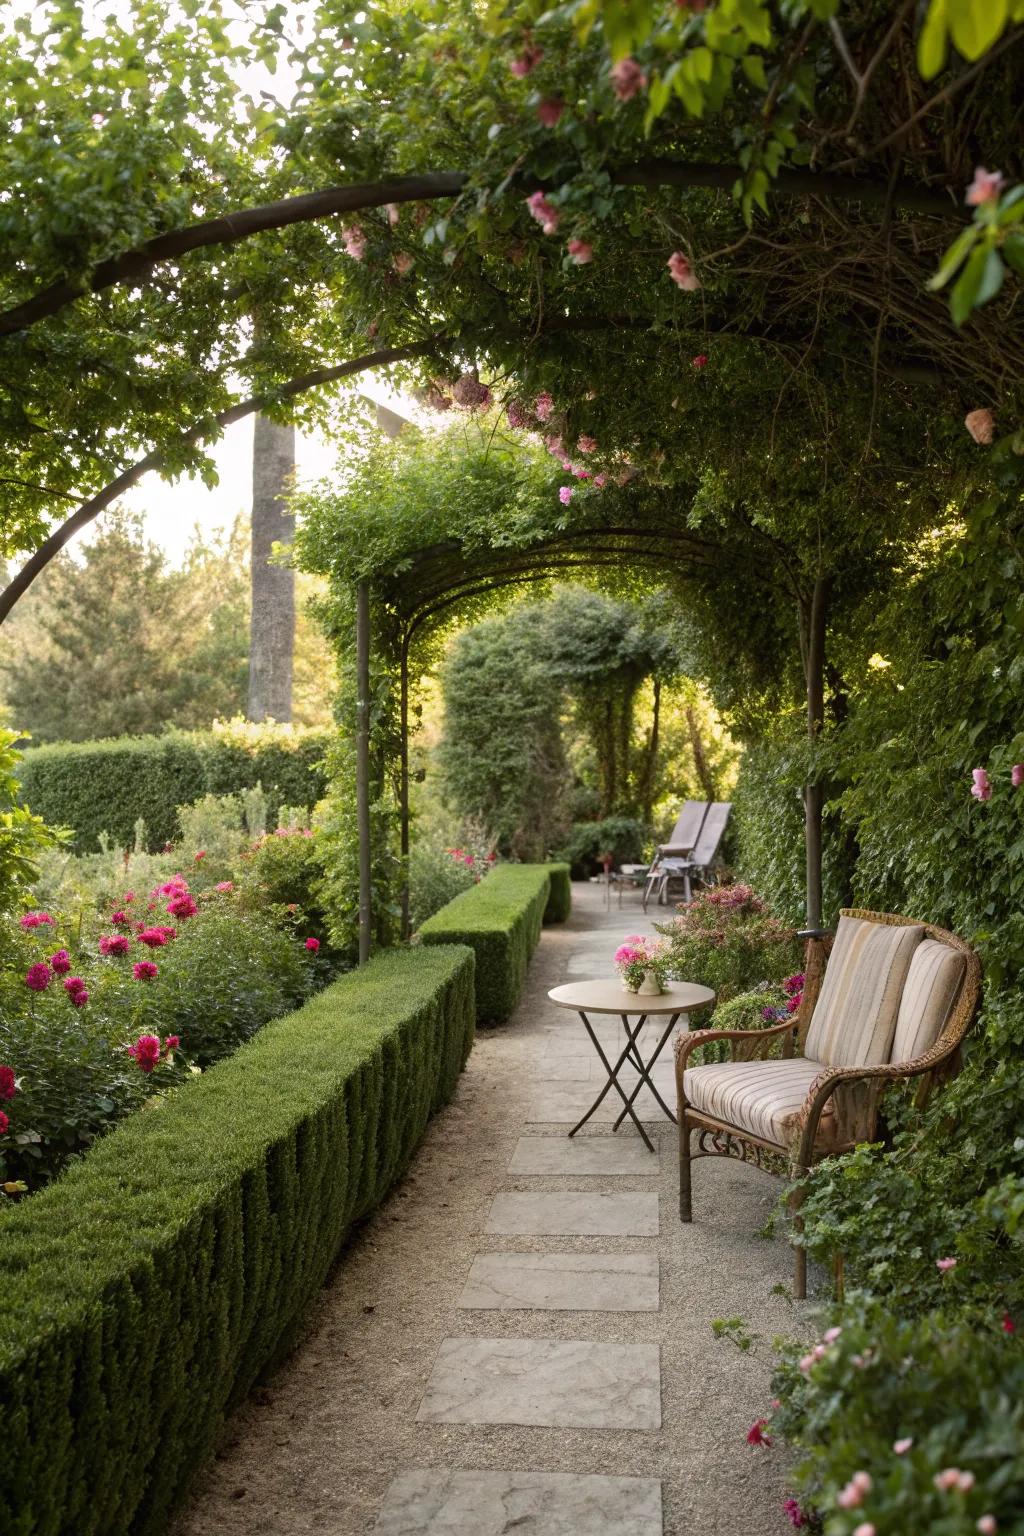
x=796, y=1200
x=685, y=1170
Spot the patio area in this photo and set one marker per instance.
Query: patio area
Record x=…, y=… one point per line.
x=521, y=1336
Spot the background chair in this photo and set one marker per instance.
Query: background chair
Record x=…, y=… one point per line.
x=694, y=865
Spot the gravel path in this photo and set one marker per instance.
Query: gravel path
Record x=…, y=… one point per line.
x=318, y=1447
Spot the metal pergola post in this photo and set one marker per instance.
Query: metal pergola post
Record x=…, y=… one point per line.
x=363, y=767
x=403, y=784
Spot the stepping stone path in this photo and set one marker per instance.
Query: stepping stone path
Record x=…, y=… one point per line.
x=519, y=1342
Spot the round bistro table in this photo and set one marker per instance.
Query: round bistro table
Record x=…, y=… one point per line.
x=606, y=995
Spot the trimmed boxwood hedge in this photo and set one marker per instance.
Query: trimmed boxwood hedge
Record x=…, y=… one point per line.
x=500, y=919
x=105, y=786
x=147, y=1289
x=559, y=904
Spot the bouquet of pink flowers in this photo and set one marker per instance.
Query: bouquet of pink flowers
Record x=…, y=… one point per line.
x=638, y=956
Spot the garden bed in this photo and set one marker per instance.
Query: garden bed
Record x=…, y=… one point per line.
x=148, y=1288
x=500, y=919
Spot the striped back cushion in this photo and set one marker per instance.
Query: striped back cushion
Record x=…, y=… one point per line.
x=931, y=985
x=854, y=1019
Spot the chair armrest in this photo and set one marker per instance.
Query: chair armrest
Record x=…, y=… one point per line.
x=676, y=850
x=690, y=1041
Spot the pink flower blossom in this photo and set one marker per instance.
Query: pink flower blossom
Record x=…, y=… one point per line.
x=853, y=1495
x=901, y=1447
x=947, y=1479
x=700, y=361
x=985, y=188
x=78, y=999
x=36, y=920
x=225, y=885
x=1017, y=775
x=517, y=415
x=981, y=424
x=944, y=1265
x=555, y=445
x=200, y=856
x=146, y=1052
x=61, y=962
x=4, y=1123
x=988, y=1525
x=545, y=213
x=8, y=1086
x=626, y=954
x=74, y=985
x=470, y=393
x=403, y=263
x=627, y=78
x=119, y=919
x=965, y=1482
x=1008, y=1325
x=129, y=896
x=586, y=444
x=982, y=787
x=312, y=945
x=550, y=111
x=580, y=473
x=156, y=938
x=182, y=906
x=145, y=970
x=526, y=62
x=172, y=1042
x=864, y=1529
x=794, y=1513
x=354, y=241
x=601, y=479
x=831, y=1334
x=38, y=976
x=756, y=1433
x=392, y=211
x=682, y=273
x=173, y=887
x=565, y=494
x=543, y=406
x=115, y=943
x=580, y=251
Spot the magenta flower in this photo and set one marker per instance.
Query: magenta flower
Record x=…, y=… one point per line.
x=8, y=1086
x=517, y=415
x=60, y=962
x=700, y=361
x=627, y=78
x=985, y=188
x=172, y=1042
x=626, y=954
x=38, y=976
x=794, y=1513
x=794, y=983
x=565, y=494
x=981, y=789
x=225, y=885
x=580, y=251
x=182, y=906
x=1008, y=1325
x=550, y=111
x=145, y=970
x=4, y=1123
x=601, y=480
x=543, y=406
x=36, y=920
x=155, y=938
x=682, y=273
x=545, y=213
x=314, y=944
x=115, y=943
x=78, y=999
x=73, y=984
x=756, y=1433
x=146, y=1052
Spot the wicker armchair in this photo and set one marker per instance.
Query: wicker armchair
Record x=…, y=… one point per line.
x=893, y=1005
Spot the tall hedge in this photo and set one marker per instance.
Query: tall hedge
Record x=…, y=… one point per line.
x=105, y=786
x=500, y=919
x=147, y=1289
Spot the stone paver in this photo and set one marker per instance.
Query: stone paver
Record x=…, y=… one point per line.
x=563, y=1282
x=580, y=1384
x=571, y=1214
x=565, y=1103
x=441, y=1503
x=623, y=1153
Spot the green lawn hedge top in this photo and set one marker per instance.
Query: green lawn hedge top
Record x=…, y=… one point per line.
x=105, y=786
x=146, y=1290
x=500, y=919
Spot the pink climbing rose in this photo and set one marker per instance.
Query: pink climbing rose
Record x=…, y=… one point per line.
x=985, y=188
x=901, y=1447
x=312, y=945
x=580, y=251
x=565, y=494
x=982, y=787
x=586, y=444
x=682, y=273
x=544, y=212
x=542, y=408
x=627, y=79
x=1017, y=775
x=550, y=111
x=601, y=479
x=945, y=1265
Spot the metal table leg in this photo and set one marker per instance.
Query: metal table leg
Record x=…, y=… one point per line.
x=644, y=1070
x=630, y=1052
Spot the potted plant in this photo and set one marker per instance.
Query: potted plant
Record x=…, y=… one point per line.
x=643, y=965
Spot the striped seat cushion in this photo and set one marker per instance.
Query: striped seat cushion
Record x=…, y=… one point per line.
x=933, y=980
x=763, y=1098
x=854, y=1019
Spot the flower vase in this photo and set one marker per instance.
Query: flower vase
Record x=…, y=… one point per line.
x=650, y=986
x=630, y=986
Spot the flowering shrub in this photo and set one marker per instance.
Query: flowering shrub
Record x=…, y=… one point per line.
x=906, y=1425
x=728, y=940
x=437, y=875
x=282, y=873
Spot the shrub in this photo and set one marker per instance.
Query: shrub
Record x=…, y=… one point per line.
x=147, y=1290
x=500, y=919
x=759, y=1009
x=727, y=939
x=620, y=836
x=107, y=786
x=283, y=874
x=436, y=876
x=895, y=1405
x=23, y=836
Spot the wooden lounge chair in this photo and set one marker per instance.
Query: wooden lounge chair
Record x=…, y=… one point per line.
x=681, y=843
x=696, y=864
x=894, y=1001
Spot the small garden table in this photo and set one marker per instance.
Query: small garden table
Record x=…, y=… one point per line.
x=610, y=996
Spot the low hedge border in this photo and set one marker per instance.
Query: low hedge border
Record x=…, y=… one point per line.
x=559, y=905
x=500, y=919
x=147, y=1289
x=105, y=786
